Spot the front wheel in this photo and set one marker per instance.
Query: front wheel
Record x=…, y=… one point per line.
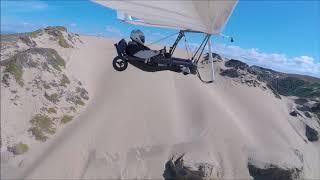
x=119, y=64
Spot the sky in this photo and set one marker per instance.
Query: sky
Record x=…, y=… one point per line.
x=281, y=35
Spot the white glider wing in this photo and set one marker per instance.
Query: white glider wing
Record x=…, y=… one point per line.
x=207, y=16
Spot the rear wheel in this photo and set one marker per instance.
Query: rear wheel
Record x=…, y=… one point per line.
x=119, y=64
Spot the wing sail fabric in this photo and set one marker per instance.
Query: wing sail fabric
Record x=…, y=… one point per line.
x=207, y=16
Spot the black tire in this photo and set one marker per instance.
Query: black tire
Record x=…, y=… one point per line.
x=119, y=64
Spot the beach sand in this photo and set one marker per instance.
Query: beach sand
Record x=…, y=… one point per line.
x=135, y=120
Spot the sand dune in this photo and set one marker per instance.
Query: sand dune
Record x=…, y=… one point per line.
x=136, y=120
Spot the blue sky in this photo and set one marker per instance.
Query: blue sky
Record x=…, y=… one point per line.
x=282, y=35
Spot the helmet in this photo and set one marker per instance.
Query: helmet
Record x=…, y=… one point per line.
x=137, y=36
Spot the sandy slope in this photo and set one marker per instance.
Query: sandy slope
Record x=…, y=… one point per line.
x=135, y=120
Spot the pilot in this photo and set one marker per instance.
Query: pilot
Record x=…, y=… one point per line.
x=137, y=48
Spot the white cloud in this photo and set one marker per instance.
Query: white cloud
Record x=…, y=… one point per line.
x=281, y=62
x=303, y=60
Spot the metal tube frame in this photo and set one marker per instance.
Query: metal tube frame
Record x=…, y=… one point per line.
x=201, y=48
x=195, y=54
x=181, y=35
x=173, y=47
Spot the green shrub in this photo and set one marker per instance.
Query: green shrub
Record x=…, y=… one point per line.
x=19, y=148
x=63, y=43
x=53, y=97
x=46, y=85
x=36, y=33
x=66, y=118
x=54, y=59
x=52, y=110
x=38, y=134
x=60, y=28
x=78, y=101
x=41, y=125
x=16, y=71
x=73, y=109
x=44, y=123
x=64, y=81
x=83, y=93
x=60, y=61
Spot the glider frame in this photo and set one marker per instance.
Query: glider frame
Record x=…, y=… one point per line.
x=166, y=62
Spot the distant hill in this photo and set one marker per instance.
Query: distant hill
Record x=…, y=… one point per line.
x=305, y=89
x=7, y=32
x=285, y=84
x=289, y=84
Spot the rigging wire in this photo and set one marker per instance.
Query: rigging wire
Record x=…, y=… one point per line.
x=195, y=49
x=163, y=38
x=204, y=40
x=187, y=46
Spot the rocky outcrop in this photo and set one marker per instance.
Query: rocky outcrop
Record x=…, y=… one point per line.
x=239, y=71
x=236, y=64
x=316, y=107
x=309, y=107
x=304, y=108
x=273, y=172
x=294, y=113
x=292, y=170
x=215, y=57
x=300, y=101
x=312, y=134
x=176, y=170
x=232, y=73
x=307, y=114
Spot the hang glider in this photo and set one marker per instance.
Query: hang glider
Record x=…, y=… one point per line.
x=201, y=16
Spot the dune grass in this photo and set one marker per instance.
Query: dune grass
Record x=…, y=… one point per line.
x=54, y=59
x=66, y=118
x=41, y=126
x=53, y=97
x=52, y=110
x=73, y=109
x=19, y=148
x=63, y=43
x=35, y=34
x=16, y=71
x=76, y=100
x=64, y=80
